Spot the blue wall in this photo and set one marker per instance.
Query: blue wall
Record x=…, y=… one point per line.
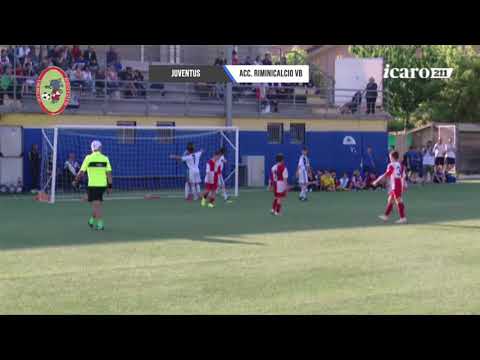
x=327, y=151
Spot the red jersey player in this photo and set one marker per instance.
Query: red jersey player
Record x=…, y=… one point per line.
x=278, y=181
x=395, y=171
x=211, y=180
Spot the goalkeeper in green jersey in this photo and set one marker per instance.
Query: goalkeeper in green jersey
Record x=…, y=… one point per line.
x=99, y=171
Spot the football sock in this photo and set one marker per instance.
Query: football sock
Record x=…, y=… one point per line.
x=279, y=207
x=100, y=224
x=91, y=221
x=274, y=205
x=389, y=209
x=401, y=210
x=187, y=190
x=197, y=188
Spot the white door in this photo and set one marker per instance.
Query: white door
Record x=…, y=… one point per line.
x=256, y=170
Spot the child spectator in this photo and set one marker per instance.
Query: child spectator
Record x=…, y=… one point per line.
x=370, y=180
x=344, y=182
x=318, y=179
x=439, y=175
x=335, y=180
x=356, y=183
x=327, y=182
x=428, y=162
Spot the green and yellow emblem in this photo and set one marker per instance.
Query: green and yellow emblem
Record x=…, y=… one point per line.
x=53, y=90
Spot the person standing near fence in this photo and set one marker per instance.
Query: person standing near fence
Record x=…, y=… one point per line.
x=371, y=95
x=450, y=156
x=440, y=150
x=34, y=159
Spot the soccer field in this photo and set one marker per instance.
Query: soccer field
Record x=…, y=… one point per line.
x=330, y=255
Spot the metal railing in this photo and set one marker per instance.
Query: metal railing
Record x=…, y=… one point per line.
x=102, y=96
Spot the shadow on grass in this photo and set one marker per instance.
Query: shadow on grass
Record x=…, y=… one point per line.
x=26, y=224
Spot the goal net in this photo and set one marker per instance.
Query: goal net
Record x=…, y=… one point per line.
x=140, y=159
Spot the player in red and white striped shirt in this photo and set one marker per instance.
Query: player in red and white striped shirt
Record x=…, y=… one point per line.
x=396, y=173
x=279, y=183
x=211, y=180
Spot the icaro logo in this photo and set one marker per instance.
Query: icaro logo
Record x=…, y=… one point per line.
x=53, y=90
x=414, y=73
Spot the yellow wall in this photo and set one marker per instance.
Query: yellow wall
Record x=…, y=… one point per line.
x=248, y=124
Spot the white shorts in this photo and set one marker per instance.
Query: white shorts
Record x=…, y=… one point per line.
x=303, y=178
x=194, y=177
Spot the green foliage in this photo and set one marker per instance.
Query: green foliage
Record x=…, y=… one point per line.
x=297, y=56
x=457, y=99
x=421, y=100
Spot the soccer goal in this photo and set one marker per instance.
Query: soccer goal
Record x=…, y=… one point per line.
x=140, y=159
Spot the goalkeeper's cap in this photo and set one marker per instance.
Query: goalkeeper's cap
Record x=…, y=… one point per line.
x=96, y=145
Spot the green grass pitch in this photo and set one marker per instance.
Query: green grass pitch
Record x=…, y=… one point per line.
x=330, y=255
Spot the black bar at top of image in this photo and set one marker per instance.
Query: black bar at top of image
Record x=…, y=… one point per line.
x=188, y=73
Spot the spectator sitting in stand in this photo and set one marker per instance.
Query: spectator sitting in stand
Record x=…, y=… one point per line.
x=90, y=57
x=76, y=53
x=4, y=60
x=79, y=62
x=129, y=86
x=267, y=60
x=88, y=78
x=138, y=77
x=21, y=53
x=29, y=82
x=112, y=57
x=258, y=61
x=220, y=60
x=344, y=183
x=235, y=59
x=100, y=82
x=6, y=84
x=248, y=61
x=77, y=79
x=353, y=105
x=11, y=53
x=112, y=81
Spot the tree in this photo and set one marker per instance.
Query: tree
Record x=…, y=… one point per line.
x=457, y=99
x=404, y=96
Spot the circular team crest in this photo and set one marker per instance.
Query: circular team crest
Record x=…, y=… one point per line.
x=53, y=90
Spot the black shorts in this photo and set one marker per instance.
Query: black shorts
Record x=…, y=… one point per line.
x=450, y=161
x=439, y=161
x=95, y=193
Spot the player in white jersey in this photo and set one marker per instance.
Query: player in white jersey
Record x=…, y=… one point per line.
x=303, y=171
x=221, y=182
x=192, y=159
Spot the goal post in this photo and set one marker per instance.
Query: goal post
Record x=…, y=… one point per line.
x=139, y=155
